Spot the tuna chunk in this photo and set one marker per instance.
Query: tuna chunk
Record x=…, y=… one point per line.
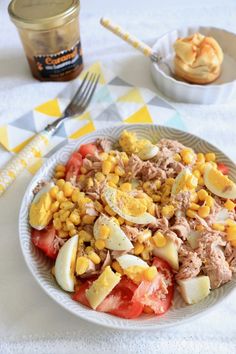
x=181, y=227
x=190, y=263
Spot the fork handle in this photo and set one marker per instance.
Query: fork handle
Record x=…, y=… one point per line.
x=18, y=163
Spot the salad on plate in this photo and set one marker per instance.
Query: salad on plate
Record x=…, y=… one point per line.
x=127, y=223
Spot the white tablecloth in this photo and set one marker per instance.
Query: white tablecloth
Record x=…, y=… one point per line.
x=30, y=322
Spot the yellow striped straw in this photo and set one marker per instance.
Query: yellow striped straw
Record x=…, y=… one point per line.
x=23, y=159
x=126, y=36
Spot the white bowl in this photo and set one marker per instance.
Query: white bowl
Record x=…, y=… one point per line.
x=222, y=90
x=40, y=265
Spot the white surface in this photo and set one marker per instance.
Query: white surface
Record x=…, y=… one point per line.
x=29, y=320
x=222, y=90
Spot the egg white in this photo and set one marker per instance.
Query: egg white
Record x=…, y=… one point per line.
x=128, y=260
x=148, y=152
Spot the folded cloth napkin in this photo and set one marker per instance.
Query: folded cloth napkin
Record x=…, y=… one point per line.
x=30, y=320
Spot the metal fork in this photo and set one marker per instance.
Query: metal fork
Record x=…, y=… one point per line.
x=77, y=106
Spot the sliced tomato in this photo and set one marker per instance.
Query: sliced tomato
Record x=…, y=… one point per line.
x=44, y=239
x=223, y=168
x=120, y=301
x=157, y=295
x=73, y=165
x=87, y=149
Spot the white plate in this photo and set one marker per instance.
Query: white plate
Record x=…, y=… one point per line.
x=222, y=90
x=40, y=265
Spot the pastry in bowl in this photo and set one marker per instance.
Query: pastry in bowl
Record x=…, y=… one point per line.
x=198, y=59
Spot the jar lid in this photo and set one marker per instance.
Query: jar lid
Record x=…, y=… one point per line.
x=42, y=14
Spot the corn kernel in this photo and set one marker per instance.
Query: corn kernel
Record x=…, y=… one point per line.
x=156, y=198
x=98, y=206
x=100, y=244
x=197, y=174
x=64, y=215
x=210, y=156
x=94, y=257
x=231, y=232
x=150, y=273
x=202, y=167
x=119, y=171
x=194, y=197
x=209, y=201
x=59, y=174
x=104, y=232
x=103, y=156
x=84, y=235
x=194, y=206
x=152, y=209
x=191, y=182
x=82, y=264
x=60, y=183
x=60, y=168
x=168, y=211
x=57, y=223
x=89, y=182
x=200, y=158
x=112, y=177
x=75, y=195
x=66, y=205
x=124, y=157
x=229, y=205
x=83, y=170
x=126, y=187
x=187, y=156
x=166, y=190
x=199, y=227
x=72, y=232
x=70, y=225
x=112, y=184
x=201, y=181
x=89, y=249
x=120, y=220
x=158, y=183
x=82, y=178
x=218, y=227
x=60, y=196
x=204, y=211
x=116, y=266
x=230, y=222
x=112, y=159
x=63, y=233
x=177, y=157
x=53, y=192
x=75, y=218
x=106, y=167
x=190, y=213
x=169, y=181
x=109, y=210
x=55, y=206
x=145, y=255
x=202, y=194
x=88, y=219
x=99, y=176
x=159, y=239
x=138, y=248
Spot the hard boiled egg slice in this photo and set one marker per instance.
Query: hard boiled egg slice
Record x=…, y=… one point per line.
x=39, y=213
x=181, y=181
x=192, y=238
x=195, y=289
x=65, y=264
x=169, y=253
x=128, y=207
x=102, y=287
x=132, y=266
x=148, y=151
x=117, y=239
x=218, y=183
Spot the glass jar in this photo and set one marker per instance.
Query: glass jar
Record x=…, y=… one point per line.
x=49, y=30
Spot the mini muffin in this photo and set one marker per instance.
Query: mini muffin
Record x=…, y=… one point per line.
x=198, y=59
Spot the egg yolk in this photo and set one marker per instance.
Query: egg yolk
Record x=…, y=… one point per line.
x=130, y=205
x=131, y=144
x=135, y=273
x=219, y=181
x=40, y=214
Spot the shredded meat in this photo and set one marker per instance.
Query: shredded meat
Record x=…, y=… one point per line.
x=134, y=167
x=90, y=210
x=181, y=227
x=162, y=225
x=181, y=201
x=210, y=251
x=131, y=232
x=230, y=255
x=104, y=144
x=95, y=192
x=190, y=263
x=151, y=170
x=107, y=261
x=92, y=164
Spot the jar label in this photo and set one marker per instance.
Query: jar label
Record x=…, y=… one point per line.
x=56, y=66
